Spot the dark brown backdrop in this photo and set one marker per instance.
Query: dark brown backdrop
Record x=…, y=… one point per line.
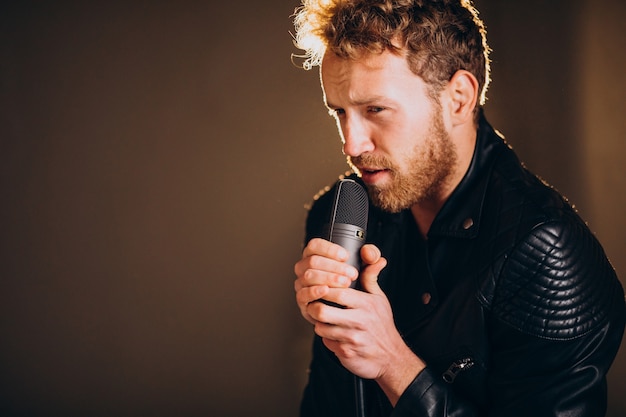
x=156, y=158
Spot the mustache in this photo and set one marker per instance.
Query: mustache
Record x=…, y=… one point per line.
x=371, y=162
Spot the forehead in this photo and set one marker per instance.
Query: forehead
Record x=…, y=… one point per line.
x=385, y=73
x=334, y=66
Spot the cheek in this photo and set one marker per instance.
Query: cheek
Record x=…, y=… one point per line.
x=399, y=143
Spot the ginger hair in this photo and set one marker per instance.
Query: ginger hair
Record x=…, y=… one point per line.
x=438, y=37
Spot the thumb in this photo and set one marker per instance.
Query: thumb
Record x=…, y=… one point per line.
x=374, y=263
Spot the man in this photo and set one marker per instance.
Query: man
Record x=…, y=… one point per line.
x=482, y=291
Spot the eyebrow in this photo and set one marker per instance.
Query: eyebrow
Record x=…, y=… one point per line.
x=361, y=102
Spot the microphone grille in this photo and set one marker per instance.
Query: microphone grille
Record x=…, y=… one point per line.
x=351, y=204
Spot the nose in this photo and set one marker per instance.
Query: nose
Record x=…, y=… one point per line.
x=356, y=137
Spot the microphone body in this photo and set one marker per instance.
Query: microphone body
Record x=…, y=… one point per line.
x=348, y=220
x=348, y=228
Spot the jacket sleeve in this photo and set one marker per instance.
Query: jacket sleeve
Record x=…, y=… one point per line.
x=556, y=322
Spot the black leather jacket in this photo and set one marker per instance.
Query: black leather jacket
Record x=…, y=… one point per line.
x=510, y=301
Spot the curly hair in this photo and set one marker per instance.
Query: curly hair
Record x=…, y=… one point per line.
x=440, y=37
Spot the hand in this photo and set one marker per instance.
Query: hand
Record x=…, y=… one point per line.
x=322, y=267
x=363, y=334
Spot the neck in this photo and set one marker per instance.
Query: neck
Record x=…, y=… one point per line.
x=425, y=212
x=423, y=218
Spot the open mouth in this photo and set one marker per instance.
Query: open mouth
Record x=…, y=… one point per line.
x=371, y=171
x=371, y=175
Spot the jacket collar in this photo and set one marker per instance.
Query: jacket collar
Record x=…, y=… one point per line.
x=461, y=214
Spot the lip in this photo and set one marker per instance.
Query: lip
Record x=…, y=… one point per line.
x=373, y=175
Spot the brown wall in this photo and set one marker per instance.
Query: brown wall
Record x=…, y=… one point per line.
x=156, y=158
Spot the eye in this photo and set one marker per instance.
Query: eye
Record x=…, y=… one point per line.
x=375, y=109
x=336, y=112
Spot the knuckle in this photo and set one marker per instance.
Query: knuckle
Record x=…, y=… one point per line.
x=340, y=298
x=308, y=276
x=345, y=350
x=315, y=311
x=300, y=297
x=316, y=262
x=335, y=250
x=315, y=244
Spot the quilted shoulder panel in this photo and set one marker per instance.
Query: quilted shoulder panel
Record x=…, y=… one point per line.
x=557, y=283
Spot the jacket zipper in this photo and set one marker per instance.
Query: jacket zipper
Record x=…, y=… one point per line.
x=456, y=368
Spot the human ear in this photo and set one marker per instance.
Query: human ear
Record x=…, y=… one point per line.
x=462, y=91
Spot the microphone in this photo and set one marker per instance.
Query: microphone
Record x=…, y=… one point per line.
x=348, y=220
x=347, y=228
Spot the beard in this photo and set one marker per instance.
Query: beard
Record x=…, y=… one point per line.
x=428, y=167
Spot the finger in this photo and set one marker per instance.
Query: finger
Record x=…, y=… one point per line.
x=332, y=321
x=335, y=334
x=307, y=295
x=375, y=264
x=325, y=248
x=344, y=351
x=317, y=270
x=339, y=335
x=370, y=254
